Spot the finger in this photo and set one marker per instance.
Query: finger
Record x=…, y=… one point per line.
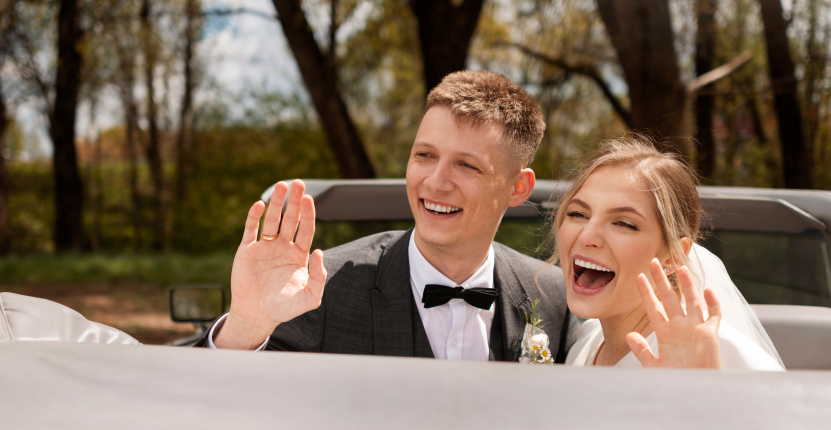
x=292, y=216
x=670, y=300
x=654, y=309
x=691, y=296
x=252, y=223
x=317, y=275
x=271, y=224
x=306, y=231
x=640, y=347
x=713, y=307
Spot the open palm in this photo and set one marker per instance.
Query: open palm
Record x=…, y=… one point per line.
x=685, y=339
x=275, y=279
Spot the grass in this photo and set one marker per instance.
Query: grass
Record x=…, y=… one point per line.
x=161, y=270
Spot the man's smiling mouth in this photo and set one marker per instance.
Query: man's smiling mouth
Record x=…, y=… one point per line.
x=590, y=277
x=439, y=209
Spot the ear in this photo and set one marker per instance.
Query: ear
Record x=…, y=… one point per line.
x=523, y=185
x=686, y=243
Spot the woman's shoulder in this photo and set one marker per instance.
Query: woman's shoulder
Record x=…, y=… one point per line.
x=587, y=341
x=738, y=352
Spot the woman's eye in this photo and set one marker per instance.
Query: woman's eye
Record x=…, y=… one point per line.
x=627, y=224
x=576, y=215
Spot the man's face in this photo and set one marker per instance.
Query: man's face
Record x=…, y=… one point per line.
x=457, y=182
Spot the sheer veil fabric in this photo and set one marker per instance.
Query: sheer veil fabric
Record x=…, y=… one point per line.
x=708, y=271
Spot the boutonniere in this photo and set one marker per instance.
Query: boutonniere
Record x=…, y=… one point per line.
x=534, y=340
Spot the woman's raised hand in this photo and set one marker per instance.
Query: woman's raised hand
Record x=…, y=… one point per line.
x=273, y=280
x=686, y=340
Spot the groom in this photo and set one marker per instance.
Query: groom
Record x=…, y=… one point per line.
x=443, y=289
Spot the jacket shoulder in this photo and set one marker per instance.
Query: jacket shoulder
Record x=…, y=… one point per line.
x=365, y=249
x=525, y=265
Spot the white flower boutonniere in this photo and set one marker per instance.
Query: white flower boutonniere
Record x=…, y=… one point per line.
x=534, y=340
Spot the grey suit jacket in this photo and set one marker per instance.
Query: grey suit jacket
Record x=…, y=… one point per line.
x=368, y=305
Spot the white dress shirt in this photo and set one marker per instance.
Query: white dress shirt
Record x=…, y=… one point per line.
x=456, y=330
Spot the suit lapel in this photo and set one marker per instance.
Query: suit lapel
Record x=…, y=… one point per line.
x=393, y=305
x=514, y=305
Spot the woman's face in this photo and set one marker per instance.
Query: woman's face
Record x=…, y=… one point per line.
x=608, y=237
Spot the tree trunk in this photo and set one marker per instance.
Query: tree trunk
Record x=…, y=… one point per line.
x=127, y=83
x=153, y=147
x=184, y=142
x=445, y=29
x=641, y=33
x=705, y=44
x=68, y=191
x=5, y=234
x=321, y=79
x=796, y=162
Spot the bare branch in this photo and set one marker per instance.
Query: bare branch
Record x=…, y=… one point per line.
x=719, y=72
x=588, y=71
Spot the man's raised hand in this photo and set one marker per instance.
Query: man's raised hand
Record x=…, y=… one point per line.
x=276, y=280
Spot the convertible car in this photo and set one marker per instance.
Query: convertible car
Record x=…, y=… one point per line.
x=773, y=242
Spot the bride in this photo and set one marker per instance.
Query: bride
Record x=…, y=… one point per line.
x=626, y=234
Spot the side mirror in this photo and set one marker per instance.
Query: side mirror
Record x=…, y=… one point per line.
x=196, y=303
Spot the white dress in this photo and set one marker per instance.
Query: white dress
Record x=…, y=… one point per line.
x=737, y=351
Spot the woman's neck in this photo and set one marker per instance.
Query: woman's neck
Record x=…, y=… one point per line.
x=615, y=329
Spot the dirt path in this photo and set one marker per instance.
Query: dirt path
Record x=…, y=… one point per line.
x=137, y=309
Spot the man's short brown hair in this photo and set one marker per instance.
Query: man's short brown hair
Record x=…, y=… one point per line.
x=488, y=97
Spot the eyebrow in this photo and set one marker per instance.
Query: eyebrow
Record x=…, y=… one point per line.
x=463, y=154
x=620, y=209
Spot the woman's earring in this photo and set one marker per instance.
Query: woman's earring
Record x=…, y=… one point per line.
x=666, y=270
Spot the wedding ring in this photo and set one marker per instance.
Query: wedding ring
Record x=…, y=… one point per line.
x=268, y=237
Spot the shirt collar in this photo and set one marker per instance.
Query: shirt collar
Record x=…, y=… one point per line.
x=423, y=273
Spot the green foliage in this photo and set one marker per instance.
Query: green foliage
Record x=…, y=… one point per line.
x=159, y=270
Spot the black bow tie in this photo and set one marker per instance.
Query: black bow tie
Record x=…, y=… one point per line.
x=437, y=295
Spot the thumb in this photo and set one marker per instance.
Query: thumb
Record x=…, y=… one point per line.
x=317, y=273
x=640, y=347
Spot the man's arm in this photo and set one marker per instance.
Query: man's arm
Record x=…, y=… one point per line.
x=275, y=279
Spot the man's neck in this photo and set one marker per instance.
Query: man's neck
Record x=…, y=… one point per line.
x=458, y=264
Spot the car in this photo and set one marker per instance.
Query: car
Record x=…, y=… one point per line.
x=87, y=382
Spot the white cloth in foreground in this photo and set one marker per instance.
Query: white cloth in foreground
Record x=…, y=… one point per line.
x=737, y=351
x=456, y=330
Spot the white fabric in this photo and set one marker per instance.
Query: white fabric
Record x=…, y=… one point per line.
x=456, y=330
x=709, y=273
x=737, y=351
x=218, y=326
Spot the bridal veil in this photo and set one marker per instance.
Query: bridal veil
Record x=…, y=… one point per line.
x=709, y=272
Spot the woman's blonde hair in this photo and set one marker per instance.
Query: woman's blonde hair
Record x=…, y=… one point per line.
x=668, y=177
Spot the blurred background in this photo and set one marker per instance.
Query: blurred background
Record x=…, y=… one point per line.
x=135, y=134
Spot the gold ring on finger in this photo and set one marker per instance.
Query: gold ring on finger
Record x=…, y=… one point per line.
x=268, y=236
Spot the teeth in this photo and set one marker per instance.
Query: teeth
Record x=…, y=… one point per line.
x=592, y=266
x=440, y=208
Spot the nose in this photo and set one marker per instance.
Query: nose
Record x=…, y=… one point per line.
x=591, y=236
x=439, y=177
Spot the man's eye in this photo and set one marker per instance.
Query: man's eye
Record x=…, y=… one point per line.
x=468, y=166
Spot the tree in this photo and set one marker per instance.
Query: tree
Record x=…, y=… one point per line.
x=445, y=30
x=320, y=75
x=68, y=187
x=705, y=46
x=5, y=236
x=796, y=161
x=184, y=139
x=641, y=33
x=150, y=50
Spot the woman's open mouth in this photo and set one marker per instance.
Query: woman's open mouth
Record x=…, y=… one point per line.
x=590, y=278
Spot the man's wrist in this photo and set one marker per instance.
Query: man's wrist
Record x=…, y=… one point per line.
x=242, y=333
